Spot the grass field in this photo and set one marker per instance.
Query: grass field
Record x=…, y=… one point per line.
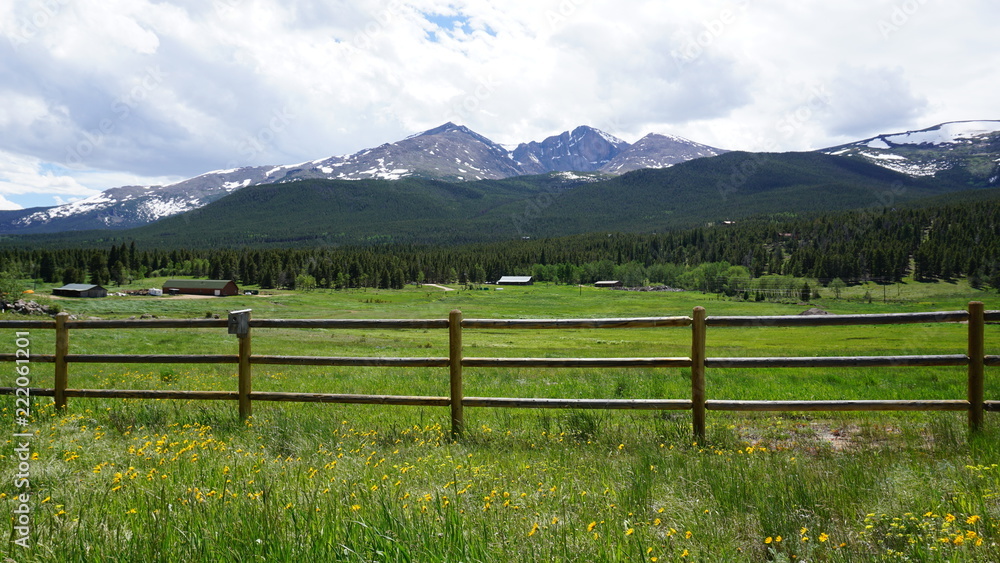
x=137, y=480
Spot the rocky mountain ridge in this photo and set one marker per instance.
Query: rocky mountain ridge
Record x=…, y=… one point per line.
x=449, y=152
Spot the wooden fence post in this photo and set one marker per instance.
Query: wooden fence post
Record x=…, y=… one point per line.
x=977, y=375
x=455, y=364
x=239, y=324
x=61, y=368
x=698, y=372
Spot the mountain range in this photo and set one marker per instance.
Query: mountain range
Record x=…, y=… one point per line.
x=450, y=152
x=724, y=189
x=944, y=158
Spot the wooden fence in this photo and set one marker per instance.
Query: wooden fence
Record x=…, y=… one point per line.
x=240, y=324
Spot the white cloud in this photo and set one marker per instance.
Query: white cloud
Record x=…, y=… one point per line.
x=162, y=89
x=21, y=176
x=6, y=204
x=27, y=181
x=864, y=99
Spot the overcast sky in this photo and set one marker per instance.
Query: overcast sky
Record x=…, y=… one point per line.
x=101, y=93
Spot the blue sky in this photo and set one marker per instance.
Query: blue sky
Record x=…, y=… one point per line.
x=102, y=93
x=447, y=25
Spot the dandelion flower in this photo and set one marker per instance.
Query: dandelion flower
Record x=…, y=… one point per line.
x=591, y=526
x=534, y=530
x=823, y=537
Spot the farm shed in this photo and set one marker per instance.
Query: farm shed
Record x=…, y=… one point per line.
x=515, y=280
x=608, y=283
x=201, y=287
x=80, y=290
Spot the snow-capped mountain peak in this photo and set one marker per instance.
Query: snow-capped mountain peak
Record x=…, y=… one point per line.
x=968, y=148
x=448, y=152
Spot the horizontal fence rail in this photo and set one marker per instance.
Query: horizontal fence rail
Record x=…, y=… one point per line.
x=240, y=324
x=840, y=320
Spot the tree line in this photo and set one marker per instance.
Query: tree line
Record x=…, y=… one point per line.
x=884, y=245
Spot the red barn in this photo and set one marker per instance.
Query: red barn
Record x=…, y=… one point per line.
x=201, y=287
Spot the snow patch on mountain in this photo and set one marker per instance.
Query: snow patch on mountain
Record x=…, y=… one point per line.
x=945, y=133
x=448, y=152
x=93, y=203
x=154, y=209
x=958, y=145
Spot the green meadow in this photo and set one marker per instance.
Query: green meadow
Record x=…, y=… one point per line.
x=178, y=480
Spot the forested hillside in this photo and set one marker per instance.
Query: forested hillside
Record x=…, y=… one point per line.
x=730, y=187
x=886, y=244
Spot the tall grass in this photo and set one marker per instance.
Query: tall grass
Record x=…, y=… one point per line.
x=135, y=480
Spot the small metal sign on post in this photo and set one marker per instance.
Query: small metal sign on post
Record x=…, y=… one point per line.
x=239, y=322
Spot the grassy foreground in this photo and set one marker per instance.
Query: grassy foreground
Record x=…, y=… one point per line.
x=132, y=480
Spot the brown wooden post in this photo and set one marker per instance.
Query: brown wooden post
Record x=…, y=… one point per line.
x=61, y=368
x=977, y=354
x=698, y=372
x=239, y=324
x=455, y=364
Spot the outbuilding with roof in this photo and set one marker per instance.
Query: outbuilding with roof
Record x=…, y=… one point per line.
x=80, y=290
x=516, y=280
x=200, y=287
